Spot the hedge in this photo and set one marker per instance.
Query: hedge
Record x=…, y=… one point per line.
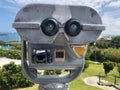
x=12, y=53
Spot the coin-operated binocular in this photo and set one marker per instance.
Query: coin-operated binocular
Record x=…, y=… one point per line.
x=56, y=37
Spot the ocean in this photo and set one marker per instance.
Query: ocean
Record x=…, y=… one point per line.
x=7, y=37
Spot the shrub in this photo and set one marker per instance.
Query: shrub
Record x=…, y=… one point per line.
x=12, y=53
x=108, y=66
x=115, y=42
x=11, y=77
x=52, y=72
x=3, y=83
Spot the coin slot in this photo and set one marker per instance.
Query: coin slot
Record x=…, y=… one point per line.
x=59, y=55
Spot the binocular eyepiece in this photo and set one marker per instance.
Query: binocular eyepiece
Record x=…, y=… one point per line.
x=50, y=27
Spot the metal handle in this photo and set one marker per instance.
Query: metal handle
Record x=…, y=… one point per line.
x=26, y=25
x=93, y=27
x=34, y=25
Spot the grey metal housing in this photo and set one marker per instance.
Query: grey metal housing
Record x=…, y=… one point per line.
x=28, y=25
x=29, y=18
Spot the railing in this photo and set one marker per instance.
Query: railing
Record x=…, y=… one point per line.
x=109, y=80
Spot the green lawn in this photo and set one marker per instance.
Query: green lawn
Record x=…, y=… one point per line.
x=78, y=83
x=35, y=87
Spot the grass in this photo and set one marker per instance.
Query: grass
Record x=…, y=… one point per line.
x=34, y=87
x=78, y=83
x=111, y=76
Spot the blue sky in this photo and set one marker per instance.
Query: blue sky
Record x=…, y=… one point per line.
x=108, y=9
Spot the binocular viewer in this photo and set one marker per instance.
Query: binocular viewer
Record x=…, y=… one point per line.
x=56, y=37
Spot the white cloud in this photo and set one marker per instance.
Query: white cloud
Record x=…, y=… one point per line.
x=115, y=4
x=93, y=3
x=111, y=19
x=112, y=23
x=11, y=8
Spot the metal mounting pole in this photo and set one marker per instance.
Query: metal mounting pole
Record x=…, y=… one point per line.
x=53, y=86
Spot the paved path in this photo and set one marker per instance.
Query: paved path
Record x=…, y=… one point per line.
x=5, y=60
x=92, y=81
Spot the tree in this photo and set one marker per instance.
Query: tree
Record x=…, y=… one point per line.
x=112, y=55
x=97, y=56
x=108, y=66
x=52, y=72
x=102, y=43
x=118, y=68
x=115, y=42
x=88, y=54
x=11, y=76
x=3, y=83
x=86, y=65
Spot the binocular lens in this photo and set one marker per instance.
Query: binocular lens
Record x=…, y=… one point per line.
x=73, y=27
x=41, y=57
x=50, y=26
